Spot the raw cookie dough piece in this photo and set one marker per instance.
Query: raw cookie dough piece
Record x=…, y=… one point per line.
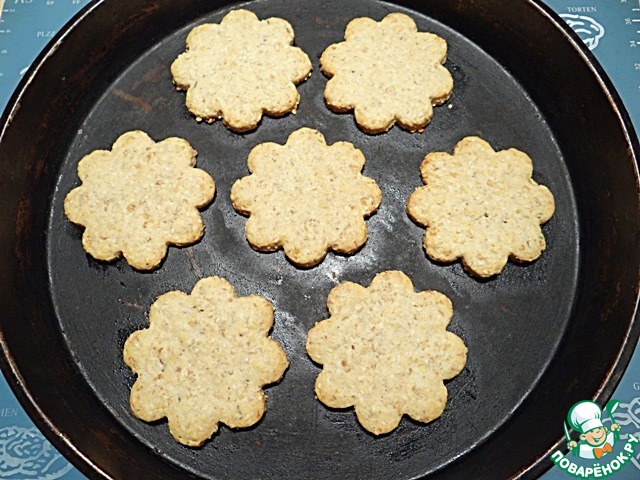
x=481, y=206
x=385, y=350
x=241, y=68
x=387, y=72
x=138, y=198
x=203, y=360
x=306, y=197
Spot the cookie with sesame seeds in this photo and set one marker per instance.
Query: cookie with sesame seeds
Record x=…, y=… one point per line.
x=204, y=360
x=481, y=206
x=385, y=351
x=240, y=69
x=138, y=198
x=306, y=197
x=387, y=72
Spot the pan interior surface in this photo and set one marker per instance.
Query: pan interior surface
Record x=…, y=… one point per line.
x=511, y=324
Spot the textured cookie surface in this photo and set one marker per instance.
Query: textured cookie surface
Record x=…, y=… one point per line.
x=204, y=360
x=481, y=206
x=387, y=72
x=385, y=350
x=241, y=68
x=138, y=198
x=306, y=197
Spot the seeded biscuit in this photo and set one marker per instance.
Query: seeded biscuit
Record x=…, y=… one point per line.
x=387, y=72
x=204, y=360
x=481, y=206
x=138, y=198
x=241, y=68
x=306, y=197
x=385, y=350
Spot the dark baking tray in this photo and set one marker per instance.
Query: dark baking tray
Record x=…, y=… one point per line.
x=540, y=336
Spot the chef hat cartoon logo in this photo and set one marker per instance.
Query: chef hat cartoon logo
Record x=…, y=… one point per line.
x=587, y=28
x=596, y=440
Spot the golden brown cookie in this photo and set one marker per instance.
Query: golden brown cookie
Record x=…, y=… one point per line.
x=385, y=350
x=306, y=197
x=387, y=72
x=204, y=360
x=481, y=206
x=241, y=68
x=138, y=198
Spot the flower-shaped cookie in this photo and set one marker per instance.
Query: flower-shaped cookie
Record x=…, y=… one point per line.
x=138, y=198
x=241, y=68
x=306, y=197
x=385, y=350
x=204, y=360
x=385, y=72
x=481, y=206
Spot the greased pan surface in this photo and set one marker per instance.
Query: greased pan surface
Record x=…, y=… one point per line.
x=540, y=336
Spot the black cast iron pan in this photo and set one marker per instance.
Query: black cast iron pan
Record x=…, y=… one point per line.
x=540, y=336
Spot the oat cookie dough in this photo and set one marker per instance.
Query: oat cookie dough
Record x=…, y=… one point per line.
x=481, y=206
x=387, y=72
x=241, y=68
x=385, y=350
x=138, y=198
x=204, y=360
x=306, y=197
